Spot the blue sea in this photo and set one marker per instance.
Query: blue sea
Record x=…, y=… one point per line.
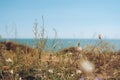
x=57, y=44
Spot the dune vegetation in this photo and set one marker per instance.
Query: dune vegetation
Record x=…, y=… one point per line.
x=25, y=63
x=22, y=62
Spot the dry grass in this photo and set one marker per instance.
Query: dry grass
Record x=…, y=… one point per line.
x=94, y=62
x=62, y=65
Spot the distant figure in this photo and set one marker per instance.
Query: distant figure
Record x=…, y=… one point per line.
x=79, y=48
x=99, y=36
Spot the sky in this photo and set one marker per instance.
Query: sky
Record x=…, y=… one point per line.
x=70, y=18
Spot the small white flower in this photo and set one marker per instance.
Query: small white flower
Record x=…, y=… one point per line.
x=79, y=48
x=20, y=78
x=72, y=75
x=59, y=74
x=11, y=71
x=50, y=70
x=87, y=66
x=44, y=76
x=8, y=60
x=70, y=53
x=78, y=71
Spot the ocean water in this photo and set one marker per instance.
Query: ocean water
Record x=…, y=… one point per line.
x=56, y=44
